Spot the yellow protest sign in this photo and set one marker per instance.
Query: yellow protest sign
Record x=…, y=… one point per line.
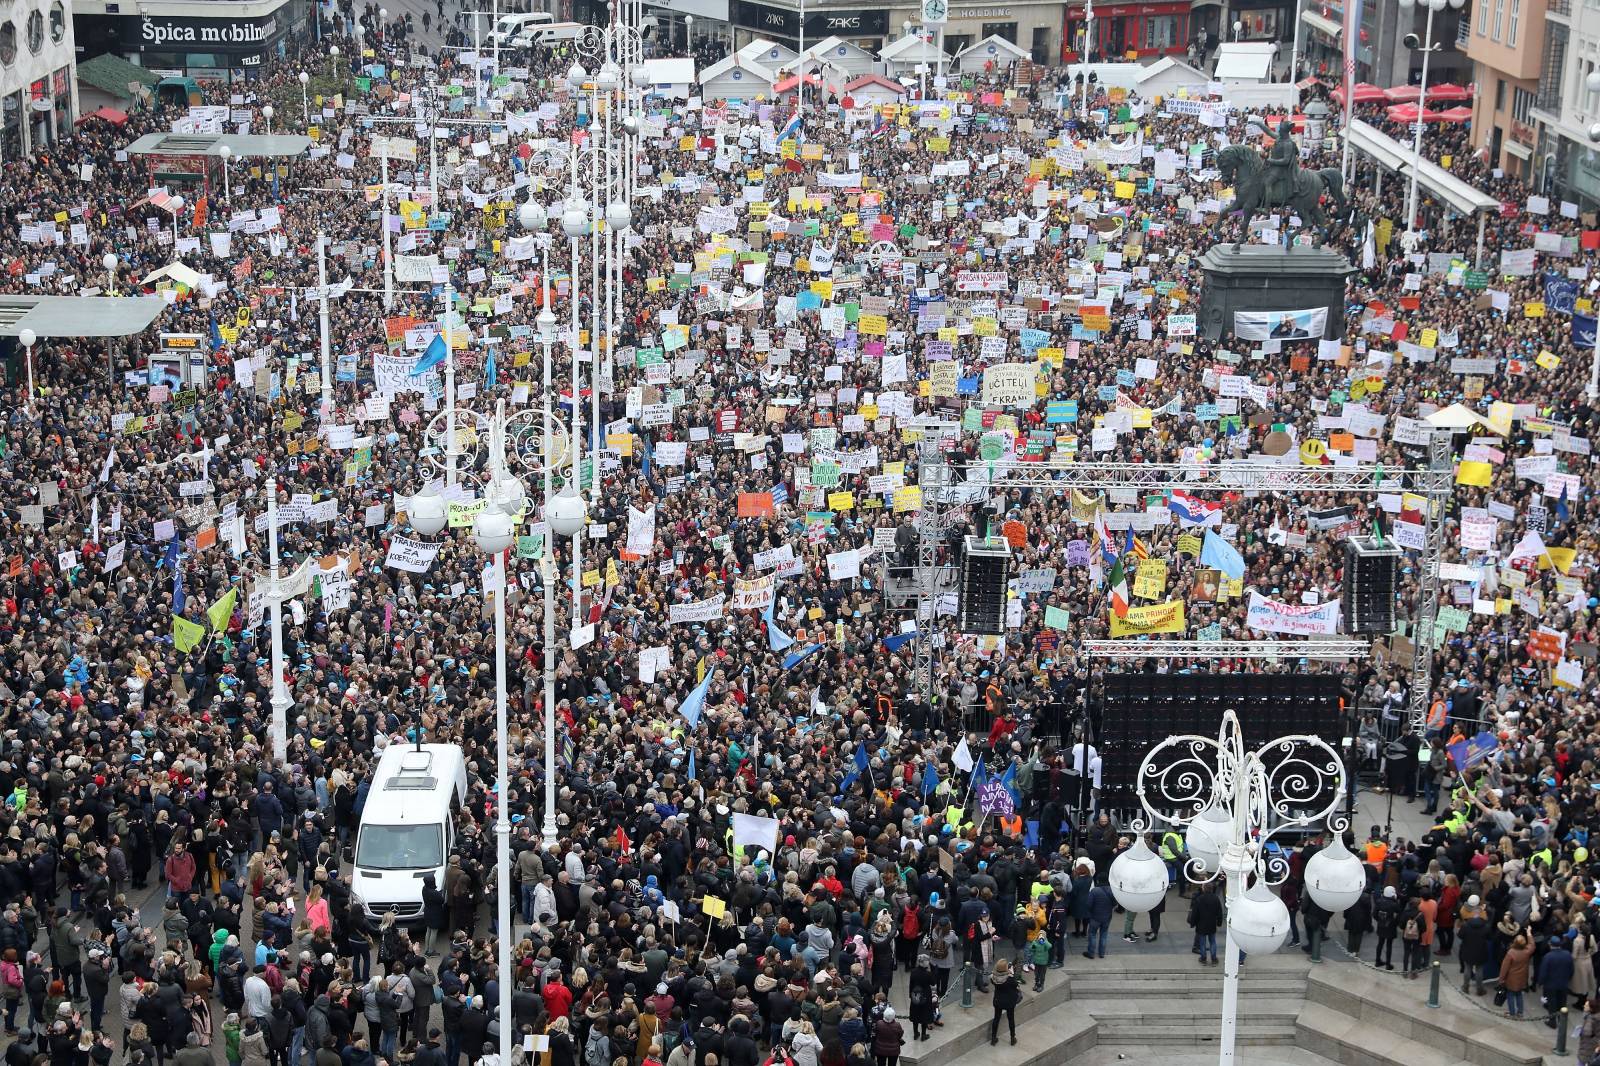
x=843, y=500
x=1548, y=360
x=907, y=498
x=1157, y=618
x=1150, y=583
x=1473, y=472
x=873, y=326
x=1124, y=190
x=713, y=906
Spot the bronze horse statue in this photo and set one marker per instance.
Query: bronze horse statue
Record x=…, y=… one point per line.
x=1242, y=167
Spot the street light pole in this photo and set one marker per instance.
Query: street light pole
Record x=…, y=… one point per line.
x=1434, y=6
x=1224, y=797
x=547, y=328
x=279, y=726
x=327, y=343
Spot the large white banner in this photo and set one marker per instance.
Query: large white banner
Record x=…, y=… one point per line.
x=392, y=374
x=641, y=530
x=698, y=611
x=1271, y=616
x=1303, y=325
x=754, y=594
x=752, y=831
x=412, y=556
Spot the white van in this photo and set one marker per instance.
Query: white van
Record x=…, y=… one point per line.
x=507, y=30
x=408, y=827
x=549, y=33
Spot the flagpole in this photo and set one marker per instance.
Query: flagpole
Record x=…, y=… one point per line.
x=971, y=778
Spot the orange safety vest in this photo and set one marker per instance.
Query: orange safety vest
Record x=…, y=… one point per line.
x=994, y=701
x=885, y=708
x=1436, y=715
x=1012, y=826
x=1377, y=853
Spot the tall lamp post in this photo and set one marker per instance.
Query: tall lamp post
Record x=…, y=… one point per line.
x=266, y=115
x=1428, y=48
x=305, y=100
x=27, y=338
x=1232, y=802
x=1593, y=389
x=227, y=184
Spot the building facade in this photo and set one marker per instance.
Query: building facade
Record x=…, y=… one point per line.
x=38, y=83
x=1505, y=40
x=1566, y=160
x=207, y=40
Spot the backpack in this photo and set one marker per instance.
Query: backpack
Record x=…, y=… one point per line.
x=11, y=974
x=910, y=924
x=937, y=947
x=1413, y=929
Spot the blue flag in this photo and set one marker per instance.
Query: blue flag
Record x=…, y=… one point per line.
x=489, y=369
x=1562, y=514
x=691, y=764
x=432, y=357
x=170, y=557
x=216, y=334
x=1009, y=779
x=1224, y=556
x=861, y=764
x=695, y=702
x=777, y=639
x=930, y=781
x=899, y=640
x=795, y=658
x=178, y=598
x=979, y=775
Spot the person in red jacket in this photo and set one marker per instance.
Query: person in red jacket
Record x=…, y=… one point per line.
x=557, y=997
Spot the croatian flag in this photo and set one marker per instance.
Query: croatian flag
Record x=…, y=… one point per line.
x=1102, y=536
x=793, y=128
x=881, y=127
x=1192, y=511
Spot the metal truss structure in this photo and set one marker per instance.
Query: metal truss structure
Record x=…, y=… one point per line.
x=939, y=481
x=1271, y=650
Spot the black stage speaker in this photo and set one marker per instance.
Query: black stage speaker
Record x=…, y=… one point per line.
x=1367, y=598
x=985, y=569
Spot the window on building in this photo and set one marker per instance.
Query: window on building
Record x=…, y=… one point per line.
x=58, y=21
x=1160, y=32
x=1499, y=16
x=1004, y=30
x=1522, y=105
x=1516, y=17
x=35, y=32
x=1483, y=18
x=1499, y=94
x=8, y=44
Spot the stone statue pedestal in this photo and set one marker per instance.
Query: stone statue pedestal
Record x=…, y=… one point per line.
x=1260, y=277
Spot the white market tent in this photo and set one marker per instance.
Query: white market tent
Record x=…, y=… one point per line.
x=736, y=78
x=1167, y=75
x=837, y=60
x=901, y=58
x=176, y=272
x=1244, y=61
x=992, y=49
x=1457, y=416
x=768, y=54
x=671, y=77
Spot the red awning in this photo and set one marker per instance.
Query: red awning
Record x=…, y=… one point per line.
x=1408, y=113
x=1456, y=114
x=1402, y=94
x=1451, y=93
x=110, y=114
x=1366, y=93
x=1306, y=83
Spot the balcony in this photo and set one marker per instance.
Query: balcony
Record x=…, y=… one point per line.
x=1524, y=134
x=1559, y=7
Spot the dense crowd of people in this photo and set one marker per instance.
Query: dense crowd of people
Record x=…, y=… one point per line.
x=754, y=424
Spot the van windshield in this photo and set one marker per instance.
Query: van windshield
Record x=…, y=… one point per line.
x=400, y=847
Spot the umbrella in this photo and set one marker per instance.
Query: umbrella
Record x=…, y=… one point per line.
x=1450, y=93
x=1456, y=114
x=1366, y=93
x=1401, y=94
x=1456, y=416
x=1408, y=113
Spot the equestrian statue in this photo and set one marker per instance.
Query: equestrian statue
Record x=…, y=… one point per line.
x=1278, y=181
